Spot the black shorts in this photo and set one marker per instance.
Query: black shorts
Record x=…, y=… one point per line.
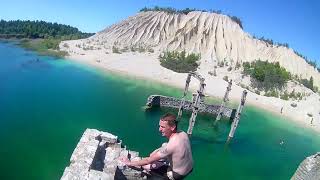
x=177, y=176
x=161, y=167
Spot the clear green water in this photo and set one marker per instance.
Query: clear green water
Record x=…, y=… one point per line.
x=45, y=107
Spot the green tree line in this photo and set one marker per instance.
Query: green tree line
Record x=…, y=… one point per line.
x=39, y=29
x=40, y=36
x=271, y=42
x=313, y=63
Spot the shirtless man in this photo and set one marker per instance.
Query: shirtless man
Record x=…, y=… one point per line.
x=177, y=151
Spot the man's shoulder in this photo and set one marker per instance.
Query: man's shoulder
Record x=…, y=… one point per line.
x=183, y=134
x=177, y=137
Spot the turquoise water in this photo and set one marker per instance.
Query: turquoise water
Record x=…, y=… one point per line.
x=46, y=104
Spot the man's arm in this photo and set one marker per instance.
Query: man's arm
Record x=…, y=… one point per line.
x=153, y=152
x=155, y=156
x=157, y=150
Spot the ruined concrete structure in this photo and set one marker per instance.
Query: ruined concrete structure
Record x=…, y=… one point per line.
x=97, y=157
x=309, y=169
x=197, y=105
x=171, y=102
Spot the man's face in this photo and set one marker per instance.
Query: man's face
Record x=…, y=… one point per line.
x=165, y=129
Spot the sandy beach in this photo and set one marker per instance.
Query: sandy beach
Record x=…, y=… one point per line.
x=147, y=66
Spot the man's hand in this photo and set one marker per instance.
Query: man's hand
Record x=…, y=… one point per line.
x=125, y=160
x=142, y=162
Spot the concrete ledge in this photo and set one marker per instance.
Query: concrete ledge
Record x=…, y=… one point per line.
x=96, y=156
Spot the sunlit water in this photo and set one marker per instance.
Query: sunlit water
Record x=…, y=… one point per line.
x=46, y=104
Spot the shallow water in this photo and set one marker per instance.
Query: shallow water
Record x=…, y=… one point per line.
x=46, y=104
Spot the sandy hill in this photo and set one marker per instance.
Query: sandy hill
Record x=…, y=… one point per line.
x=133, y=45
x=216, y=37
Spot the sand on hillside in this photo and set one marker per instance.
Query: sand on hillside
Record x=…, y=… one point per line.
x=146, y=65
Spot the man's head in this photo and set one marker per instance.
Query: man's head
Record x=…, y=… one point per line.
x=168, y=125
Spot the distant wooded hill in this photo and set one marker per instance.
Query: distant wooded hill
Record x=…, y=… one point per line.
x=39, y=29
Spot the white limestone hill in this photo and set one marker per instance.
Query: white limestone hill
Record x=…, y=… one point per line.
x=216, y=37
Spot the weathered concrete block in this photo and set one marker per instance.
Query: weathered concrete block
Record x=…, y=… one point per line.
x=74, y=174
x=111, y=154
x=98, y=175
x=96, y=156
x=110, y=138
x=309, y=169
x=85, y=152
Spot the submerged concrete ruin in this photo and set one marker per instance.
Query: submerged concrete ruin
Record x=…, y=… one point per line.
x=97, y=157
x=197, y=105
x=171, y=102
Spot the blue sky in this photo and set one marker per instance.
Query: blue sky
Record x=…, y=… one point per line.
x=295, y=22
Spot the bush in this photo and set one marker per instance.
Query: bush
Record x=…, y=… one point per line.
x=221, y=64
x=266, y=75
x=285, y=96
x=246, y=68
x=51, y=43
x=115, y=50
x=133, y=49
x=125, y=49
x=271, y=42
x=313, y=63
x=150, y=50
x=236, y=20
x=272, y=93
x=299, y=96
x=179, y=61
x=294, y=95
x=141, y=49
x=238, y=65
x=309, y=84
x=65, y=45
x=226, y=78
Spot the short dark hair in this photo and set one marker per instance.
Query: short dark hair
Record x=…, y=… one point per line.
x=171, y=119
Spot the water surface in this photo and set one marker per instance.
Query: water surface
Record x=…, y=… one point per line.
x=47, y=103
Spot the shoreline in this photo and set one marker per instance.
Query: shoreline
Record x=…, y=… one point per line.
x=35, y=46
x=119, y=64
